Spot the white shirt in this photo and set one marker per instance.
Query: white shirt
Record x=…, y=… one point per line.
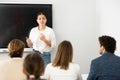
x=12, y=69
x=39, y=44
x=55, y=73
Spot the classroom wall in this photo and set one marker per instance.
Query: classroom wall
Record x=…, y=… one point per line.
x=108, y=19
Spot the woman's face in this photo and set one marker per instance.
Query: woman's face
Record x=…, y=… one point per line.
x=41, y=20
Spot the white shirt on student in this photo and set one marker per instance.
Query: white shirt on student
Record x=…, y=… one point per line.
x=55, y=73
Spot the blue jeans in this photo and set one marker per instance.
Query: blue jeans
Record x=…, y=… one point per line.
x=46, y=58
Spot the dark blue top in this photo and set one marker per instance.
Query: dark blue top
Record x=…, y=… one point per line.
x=105, y=67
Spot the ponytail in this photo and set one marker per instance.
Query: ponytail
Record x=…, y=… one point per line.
x=32, y=77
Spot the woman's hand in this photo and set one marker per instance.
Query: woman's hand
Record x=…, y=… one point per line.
x=29, y=42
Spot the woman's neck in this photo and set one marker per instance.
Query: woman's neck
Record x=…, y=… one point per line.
x=42, y=27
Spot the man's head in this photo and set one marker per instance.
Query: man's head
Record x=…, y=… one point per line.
x=107, y=44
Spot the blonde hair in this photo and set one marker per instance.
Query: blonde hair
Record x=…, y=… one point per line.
x=16, y=48
x=64, y=55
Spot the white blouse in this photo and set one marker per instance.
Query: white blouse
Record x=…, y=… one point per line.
x=39, y=44
x=55, y=73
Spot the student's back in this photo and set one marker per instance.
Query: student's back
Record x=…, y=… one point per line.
x=33, y=66
x=11, y=69
x=107, y=66
x=55, y=73
x=62, y=67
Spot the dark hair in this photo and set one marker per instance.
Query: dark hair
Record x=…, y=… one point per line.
x=33, y=65
x=109, y=43
x=41, y=13
x=64, y=55
x=16, y=48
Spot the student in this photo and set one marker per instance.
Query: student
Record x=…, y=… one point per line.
x=11, y=69
x=33, y=66
x=107, y=66
x=62, y=67
x=42, y=38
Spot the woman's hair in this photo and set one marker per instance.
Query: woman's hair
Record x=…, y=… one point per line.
x=64, y=55
x=33, y=66
x=41, y=13
x=16, y=48
x=108, y=42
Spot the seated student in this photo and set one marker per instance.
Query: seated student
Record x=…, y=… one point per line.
x=62, y=67
x=107, y=66
x=11, y=69
x=33, y=66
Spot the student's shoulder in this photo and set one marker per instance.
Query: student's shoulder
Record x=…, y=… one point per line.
x=97, y=60
x=4, y=62
x=75, y=65
x=49, y=65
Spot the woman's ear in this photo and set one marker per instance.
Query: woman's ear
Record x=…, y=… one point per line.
x=24, y=71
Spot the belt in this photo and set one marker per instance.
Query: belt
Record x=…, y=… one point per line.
x=38, y=51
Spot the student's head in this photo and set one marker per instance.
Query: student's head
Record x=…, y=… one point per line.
x=33, y=66
x=107, y=44
x=41, y=18
x=64, y=55
x=16, y=48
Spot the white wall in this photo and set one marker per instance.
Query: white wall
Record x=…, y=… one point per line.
x=74, y=20
x=108, y=19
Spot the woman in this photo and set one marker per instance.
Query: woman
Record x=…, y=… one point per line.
x=33, y=66
x=42, y=38
x=62, y=67
x=11, y=69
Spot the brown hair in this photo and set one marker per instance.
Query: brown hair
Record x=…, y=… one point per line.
x=33, y=65
x=64, y=55
x=41, y=13
x=16, y=48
